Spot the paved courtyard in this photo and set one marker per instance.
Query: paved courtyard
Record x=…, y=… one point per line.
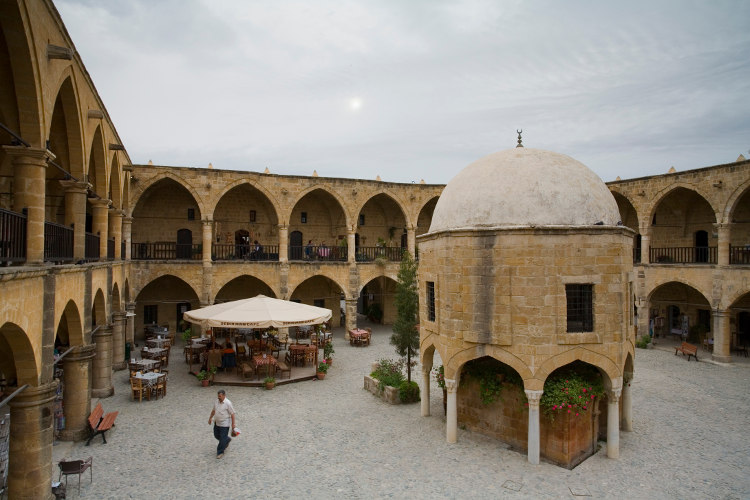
x=332, y=439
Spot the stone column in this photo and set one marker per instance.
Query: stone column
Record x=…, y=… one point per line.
x=102, y=372
x=30, y=445
x=118, y=341
x=411, y=241
x=351, y=316
x=534, y=439
x=100, y=221
x=29, y=175
x=645, y=230
x=283, y=243
x=77, y=392
x=130, y=324
x=127, y=229
x=627, y=404
x=451, y=417
x=351, y=239
x=75, y=214
x=722, y=337
x=613, y=423
x=644, y=308
x=722, y=247
x=425, y=392
x=208, y=240
x=115, y=230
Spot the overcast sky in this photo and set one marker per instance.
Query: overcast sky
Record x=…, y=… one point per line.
x=419, y=89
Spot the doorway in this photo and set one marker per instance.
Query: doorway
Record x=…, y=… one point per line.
x=295, y=245
x=184, y=243
x=701, y=246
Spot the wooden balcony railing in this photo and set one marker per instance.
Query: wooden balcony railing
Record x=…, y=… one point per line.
x=367, y=254
x=92, y=247
x=682, y=255
x=739, y=255
x=267, y=253
x=166, y=250
x=12, y=237
x=58, y=243
x=322, y=253
x=110, y=249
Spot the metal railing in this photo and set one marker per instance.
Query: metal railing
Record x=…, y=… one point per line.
x=739, y=255
x=13, y=237
x=320, y=252
x=110, y=249
x=683, y=255
x=58, y=243
x=367, y=254
x=266, y=253
x=92, y=247
x=166, y=250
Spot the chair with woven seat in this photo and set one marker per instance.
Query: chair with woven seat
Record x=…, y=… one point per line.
x=68, y=467
x=138, y=389
x=285, y=366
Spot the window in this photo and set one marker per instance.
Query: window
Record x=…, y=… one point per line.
x=191, y=214
x=252, y=215
x=431, y=300
x=580, y=299
x=149, y=315
x=361, y=219
x=319, y=302
x=304, y=218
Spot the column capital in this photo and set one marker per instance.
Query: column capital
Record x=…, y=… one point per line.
x=41, y=155
x=207, y=221
x=100, y=203
x=79, y=187
x=127, y=219
x=130, y=306
x=80, y=353
x=722, y=313
x=450, y=385
x=425, y=370
x=613, y=395
x=118, y=316
x=116, y=212
x=283, y=227
x=534, y=397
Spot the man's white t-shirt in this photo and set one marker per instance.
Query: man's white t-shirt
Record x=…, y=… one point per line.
x=223, y=413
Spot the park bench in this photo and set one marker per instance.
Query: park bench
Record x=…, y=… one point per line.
x=689, y=349
x=99, y=423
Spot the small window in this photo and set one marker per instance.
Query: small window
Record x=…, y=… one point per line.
x=319, y=302
x=431, y=300
x=580, y=300
x=252, y=215
x=191, y=214
x=149, y=315
x=304, y=218
x=361, y=219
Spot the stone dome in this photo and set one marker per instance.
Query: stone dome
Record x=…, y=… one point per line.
x=524, y=187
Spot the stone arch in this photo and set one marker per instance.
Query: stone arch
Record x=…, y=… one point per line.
x=17, y=359
x=320, y=287
x=628, y=212
x=115, y=185
x=390, y=194
x=454, y=364
x=734, y=198
x=427, y=354
x=255, y=185
x=629, y=366
x=165, y=291
x=422, y=220
x=676, y=279
x=68, y=148
x=24, y=92
x=383, y=289
x=116, y=301
x=98, y=309
x=126, y=290
x=243, y=287
x=97, y=165
x=286, y=217
x=660, y=196
x=70, y=325
x=578, y=353
x=174, y=202
x=232, y=214
x=143, y=186
x=730, y=300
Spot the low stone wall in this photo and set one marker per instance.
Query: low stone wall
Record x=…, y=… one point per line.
x=388, y=394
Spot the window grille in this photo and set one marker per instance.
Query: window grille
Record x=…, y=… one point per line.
x=149, y=315
x=431, y=300
x=580, y=300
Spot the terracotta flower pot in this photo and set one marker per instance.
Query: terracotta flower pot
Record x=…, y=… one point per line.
x=329, y=361
x=320, y=375
x=270, y=385
x=205, y=382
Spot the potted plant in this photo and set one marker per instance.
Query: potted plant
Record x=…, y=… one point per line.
x=270, y=383
x=187, y=334
x=322, y=370
x=203, y=376
x=328, y=352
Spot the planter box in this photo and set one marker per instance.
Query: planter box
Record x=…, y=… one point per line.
x=388, y=394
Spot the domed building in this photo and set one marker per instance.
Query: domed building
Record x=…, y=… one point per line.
x=525, y=277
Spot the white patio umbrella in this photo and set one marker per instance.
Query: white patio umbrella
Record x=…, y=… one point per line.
x=258, y=312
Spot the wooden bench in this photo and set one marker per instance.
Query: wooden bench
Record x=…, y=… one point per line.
x=689, y=349
x=99, y=423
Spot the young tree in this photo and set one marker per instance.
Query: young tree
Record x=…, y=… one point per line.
x=405, y=334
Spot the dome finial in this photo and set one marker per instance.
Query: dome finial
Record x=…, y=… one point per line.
x=519, y=132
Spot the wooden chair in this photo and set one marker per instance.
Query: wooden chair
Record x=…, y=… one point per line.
x=78, y=467
x=160, y=387
x=285, y=366
x=138, y=390
x=311, y=355
x=247, y=370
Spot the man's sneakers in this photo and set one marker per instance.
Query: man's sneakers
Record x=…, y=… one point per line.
x=219, y=455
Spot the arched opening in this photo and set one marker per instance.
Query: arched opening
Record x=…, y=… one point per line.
x=243, y=287
x=677, y=218
x=242, y=216
x=17, y=362
x=377, y=300
x=98, y=310
x=184, y=243
x=739, y=326
x=160, y=303
x=629, y=218
x=320, y=291
x=319, y=216
x=681, y=313
x=380, y=224
x=739, y=239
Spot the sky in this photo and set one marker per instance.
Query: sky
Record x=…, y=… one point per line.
x=416, y=90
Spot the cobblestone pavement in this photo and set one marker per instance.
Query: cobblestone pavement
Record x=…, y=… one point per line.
x=331, y=438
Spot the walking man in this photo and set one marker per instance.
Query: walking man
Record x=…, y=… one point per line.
x=223, y=417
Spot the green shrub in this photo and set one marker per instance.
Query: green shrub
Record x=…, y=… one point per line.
x=408, y=392
x=643, y=342
x=388, y=372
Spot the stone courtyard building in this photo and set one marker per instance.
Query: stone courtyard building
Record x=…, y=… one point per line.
x=91, y=246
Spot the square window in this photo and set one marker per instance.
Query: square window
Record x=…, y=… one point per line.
x=431, y=300
x=191, y=214
x=361, y=219
x=150, y=314
x=580, y=307
x=304, y=218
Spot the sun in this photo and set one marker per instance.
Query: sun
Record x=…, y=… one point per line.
x=355, y=103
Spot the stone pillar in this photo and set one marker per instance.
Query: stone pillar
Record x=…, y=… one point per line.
x=533, y=432
x=722, y=247
x=613, y=423
x=425, y=392
x=645, y=230
x=130, y=324
x=644, y=308
x=451, y=417
x=29, y=175
x=102, y=372
x=411, y=241
x=627, y=404
x=127, y=229
x=351, y=316
x=351, y=239
x=208, y=240
x=75, y=214
x=722, y=337
x=77, y=366
x=118, y=341
x=283, y=243
x=30, y=446
x=100, y=222
x=115, y=230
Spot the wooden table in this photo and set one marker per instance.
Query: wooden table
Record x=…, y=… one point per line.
x=267, y=361
x=358, y=337
x=298, y=352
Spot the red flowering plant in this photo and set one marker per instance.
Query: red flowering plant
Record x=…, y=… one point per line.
x=571, y=389
x=440, y=376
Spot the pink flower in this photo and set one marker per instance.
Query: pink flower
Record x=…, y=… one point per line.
x=579, y=397
x=576, y=414
x=568, y=411
x=584, y=407
x=569, y=406
x=584, y=390
x=554, y=407
x=592, y=396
